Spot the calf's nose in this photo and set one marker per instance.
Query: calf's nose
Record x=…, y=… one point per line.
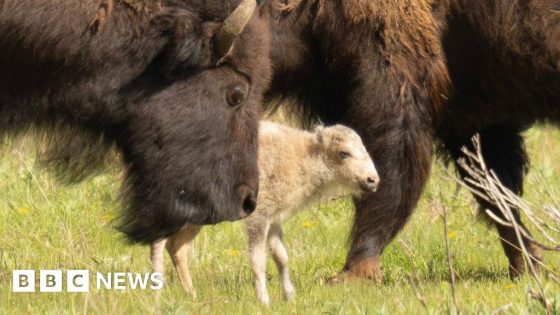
x=372, y=182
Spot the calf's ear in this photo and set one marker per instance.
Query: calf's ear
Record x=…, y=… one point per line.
x=319, y=133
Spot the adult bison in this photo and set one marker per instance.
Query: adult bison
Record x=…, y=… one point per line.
x=409, y=73
x=175, y=85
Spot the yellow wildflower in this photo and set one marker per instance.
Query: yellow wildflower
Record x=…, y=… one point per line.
x=108, y=218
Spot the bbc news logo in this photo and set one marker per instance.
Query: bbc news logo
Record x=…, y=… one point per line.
x=79, y=281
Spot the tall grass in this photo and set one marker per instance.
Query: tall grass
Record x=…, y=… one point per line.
x=46, y=225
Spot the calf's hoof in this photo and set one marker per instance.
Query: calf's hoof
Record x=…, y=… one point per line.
x=364, y=269
x=264, y=299
x=289, y=295
x=190, y=292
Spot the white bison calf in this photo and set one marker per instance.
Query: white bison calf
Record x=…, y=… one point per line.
x=296, y=169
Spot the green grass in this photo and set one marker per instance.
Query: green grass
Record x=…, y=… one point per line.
x=45, y=225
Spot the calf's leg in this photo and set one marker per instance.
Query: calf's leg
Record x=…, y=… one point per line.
x=178, y=246
x=156, y=255
x=158, y=265
x=280, y=256
x=257, y=231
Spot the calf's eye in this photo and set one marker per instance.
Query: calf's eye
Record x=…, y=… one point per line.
x=235, y=96
x=344, y=154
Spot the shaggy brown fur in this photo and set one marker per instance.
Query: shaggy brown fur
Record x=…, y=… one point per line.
x=385, y=68
x=143, y=75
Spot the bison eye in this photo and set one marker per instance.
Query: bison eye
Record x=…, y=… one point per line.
x=344, y=154
x=235, y=96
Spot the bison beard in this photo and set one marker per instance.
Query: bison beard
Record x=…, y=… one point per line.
x=381, y=68
x=146, y=76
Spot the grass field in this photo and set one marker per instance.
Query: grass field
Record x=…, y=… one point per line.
x=46, y=225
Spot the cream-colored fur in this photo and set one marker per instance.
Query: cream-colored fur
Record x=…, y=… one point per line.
x=297, y=169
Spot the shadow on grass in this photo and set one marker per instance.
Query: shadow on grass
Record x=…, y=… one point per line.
x=477, y=274
x=482, y=274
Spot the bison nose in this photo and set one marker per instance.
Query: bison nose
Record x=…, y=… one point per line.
x=372, y=182
x=249, y=200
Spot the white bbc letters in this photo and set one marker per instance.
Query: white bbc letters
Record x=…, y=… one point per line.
x=50, y=280
x=77, y=281
x=23, y=281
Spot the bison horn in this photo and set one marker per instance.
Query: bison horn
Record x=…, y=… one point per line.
x=234, y=25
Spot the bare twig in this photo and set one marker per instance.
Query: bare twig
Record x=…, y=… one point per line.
x=540, y=297
x=413, y=281
x=485, y=184
x=449, y=260
x=412, y=277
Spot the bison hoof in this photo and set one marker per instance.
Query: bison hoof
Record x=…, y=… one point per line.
x=365, y=269
x=516, y=272
x=517, y=267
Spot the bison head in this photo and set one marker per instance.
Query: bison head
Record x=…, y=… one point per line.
x=190, y=145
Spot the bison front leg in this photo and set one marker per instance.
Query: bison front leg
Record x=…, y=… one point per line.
x=402, y=152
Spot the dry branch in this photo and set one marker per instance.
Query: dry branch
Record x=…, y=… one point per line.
x=545, y=221
x=485, y=184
